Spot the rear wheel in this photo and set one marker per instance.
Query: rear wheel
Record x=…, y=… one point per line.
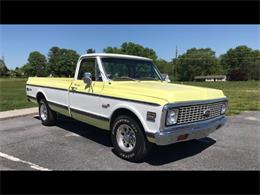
x=47, y=116
x=129, y=140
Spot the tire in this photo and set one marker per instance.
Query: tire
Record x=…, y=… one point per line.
x=47, y=116
x=129, y=140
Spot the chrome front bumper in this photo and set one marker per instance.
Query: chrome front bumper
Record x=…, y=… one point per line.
x=195, y=130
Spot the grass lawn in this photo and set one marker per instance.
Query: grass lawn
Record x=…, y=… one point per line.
x=12, y=94
x=244, y=95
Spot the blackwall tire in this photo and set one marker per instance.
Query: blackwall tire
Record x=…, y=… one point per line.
x=129, y=140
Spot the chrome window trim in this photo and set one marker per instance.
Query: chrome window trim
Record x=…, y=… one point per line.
x=181, y=104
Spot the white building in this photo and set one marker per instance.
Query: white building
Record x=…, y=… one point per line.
x=211, y=78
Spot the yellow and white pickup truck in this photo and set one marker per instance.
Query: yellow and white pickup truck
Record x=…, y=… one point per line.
x=128, y=96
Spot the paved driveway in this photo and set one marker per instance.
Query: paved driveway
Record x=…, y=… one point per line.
x=27, y=145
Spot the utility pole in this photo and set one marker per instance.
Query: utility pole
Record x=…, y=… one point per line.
x=176, y=56
x=176, y=52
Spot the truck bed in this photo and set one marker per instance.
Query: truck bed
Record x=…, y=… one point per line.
x=55, y=82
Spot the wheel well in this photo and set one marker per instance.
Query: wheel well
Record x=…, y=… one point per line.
x=40, y=96
x=123, y=111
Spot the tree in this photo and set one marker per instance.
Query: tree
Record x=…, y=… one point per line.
x=130, y=48
x=27, y=69
x=90, y=50
x=18, y=72
x=62, y=62
x=242, y=60
x=254, y=66
x=237, y=75
x=164, y=66
x=197, y=62
x=3, y=68
x=36, y=65
x=112, y=50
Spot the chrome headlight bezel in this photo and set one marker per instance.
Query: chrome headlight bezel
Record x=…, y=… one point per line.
x=224, y=108
x=171, y=117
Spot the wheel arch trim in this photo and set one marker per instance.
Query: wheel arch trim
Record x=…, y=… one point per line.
x=40, y=92
x=130, y=109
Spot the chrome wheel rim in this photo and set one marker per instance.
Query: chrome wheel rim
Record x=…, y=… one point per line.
x=125, y=137
x=43, y=112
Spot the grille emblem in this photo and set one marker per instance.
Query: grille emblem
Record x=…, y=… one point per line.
x=206, y=113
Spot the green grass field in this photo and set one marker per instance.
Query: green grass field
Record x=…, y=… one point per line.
x=12, y=94
x=242, y=96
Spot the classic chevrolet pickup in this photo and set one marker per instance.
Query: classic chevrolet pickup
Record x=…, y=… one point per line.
x=128, y=96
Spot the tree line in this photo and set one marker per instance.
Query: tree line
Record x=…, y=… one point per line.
x=240, y=63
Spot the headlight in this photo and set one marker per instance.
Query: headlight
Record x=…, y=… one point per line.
x=224, y=108
x=171, y=117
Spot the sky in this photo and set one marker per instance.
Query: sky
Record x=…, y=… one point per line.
x=17, y=41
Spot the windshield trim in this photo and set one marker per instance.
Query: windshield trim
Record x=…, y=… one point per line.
x=157, y=72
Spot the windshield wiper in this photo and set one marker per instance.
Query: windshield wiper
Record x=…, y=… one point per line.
x=125, y=77
x=149, y=78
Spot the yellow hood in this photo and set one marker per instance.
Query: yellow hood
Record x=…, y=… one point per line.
x=161, y=92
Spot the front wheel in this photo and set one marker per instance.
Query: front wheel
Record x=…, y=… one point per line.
x=47, y=116
x=129, y=140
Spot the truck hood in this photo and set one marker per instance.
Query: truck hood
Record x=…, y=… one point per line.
x=163, y=92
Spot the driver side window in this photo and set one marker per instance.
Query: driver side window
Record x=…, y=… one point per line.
x=89, y=65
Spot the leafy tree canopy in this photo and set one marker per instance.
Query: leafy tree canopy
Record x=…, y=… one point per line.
x=90, y=50
x=197, y=62
x=242, y=59
x=62, y=62
x=36, y=65
x=3, y=68
x=132, y=49
x=164, y=66
x=240, y=63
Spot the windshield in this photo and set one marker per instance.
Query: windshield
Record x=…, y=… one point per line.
x=130, y=69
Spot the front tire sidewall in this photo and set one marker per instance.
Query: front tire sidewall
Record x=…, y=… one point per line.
x=50, y=120
x=139, y=151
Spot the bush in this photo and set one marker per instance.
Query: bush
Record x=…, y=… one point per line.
x=237, y=75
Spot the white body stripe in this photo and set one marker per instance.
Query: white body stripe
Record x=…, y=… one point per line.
x=93, y=104
x=53, y=95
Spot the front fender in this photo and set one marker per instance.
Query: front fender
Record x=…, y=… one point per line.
x=132, y=109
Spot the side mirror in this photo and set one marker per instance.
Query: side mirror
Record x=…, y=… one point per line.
x=164, y=77
x=87, y=78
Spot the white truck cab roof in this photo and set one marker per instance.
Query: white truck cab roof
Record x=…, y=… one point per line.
x=114, y=55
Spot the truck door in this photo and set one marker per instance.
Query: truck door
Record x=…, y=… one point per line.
x=85, y=100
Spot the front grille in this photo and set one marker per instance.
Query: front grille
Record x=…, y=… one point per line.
x=195, y=113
